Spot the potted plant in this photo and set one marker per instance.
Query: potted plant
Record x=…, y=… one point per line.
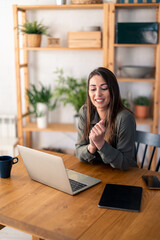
x=70, y=91
x=34, y=32
x=40, y=101
x=141, y=106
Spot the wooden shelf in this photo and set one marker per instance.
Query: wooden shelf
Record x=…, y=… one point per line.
x=134, y=45
x=147, y=121
x=152, y=80
x=82, y=6
x=68, y=127
x=59, y=7
x=57, y=127
x=58, y=48
x=136, y=5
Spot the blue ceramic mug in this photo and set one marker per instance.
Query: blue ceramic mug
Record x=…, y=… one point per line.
x=6, y=165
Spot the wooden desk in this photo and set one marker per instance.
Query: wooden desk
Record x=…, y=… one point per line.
x=47, y=213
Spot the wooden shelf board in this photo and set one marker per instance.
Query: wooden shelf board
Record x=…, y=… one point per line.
x=68, y=127
x=134, y=45
x=152, y=80
x=83, y=6
x=57, y=127
x=122, y=5
x=58, y=48
x=147, y=121
x=60, y=7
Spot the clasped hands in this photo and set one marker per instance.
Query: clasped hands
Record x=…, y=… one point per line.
x=96, y=137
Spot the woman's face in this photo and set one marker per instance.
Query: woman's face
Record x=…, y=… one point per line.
x=99, y=92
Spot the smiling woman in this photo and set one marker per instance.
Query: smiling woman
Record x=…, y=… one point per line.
x=106, y=130
x=99, y=94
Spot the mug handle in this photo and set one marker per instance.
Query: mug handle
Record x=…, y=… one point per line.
x=15, y=161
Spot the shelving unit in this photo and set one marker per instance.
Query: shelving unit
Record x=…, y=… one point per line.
x=113, y=8
x=28, y=127
x=108, y=49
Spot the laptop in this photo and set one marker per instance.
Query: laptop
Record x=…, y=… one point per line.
x=50, y=170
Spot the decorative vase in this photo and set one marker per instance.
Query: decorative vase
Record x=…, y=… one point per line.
x=34, y=40
x=42, y=119
x=141, y=111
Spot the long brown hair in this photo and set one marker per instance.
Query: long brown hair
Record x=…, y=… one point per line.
x=114, y=107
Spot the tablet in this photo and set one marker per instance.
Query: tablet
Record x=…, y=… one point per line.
x=122, y=197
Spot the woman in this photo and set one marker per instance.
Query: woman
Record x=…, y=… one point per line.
x=106, y=129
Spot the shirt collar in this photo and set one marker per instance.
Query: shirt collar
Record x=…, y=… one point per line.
x=95, y=118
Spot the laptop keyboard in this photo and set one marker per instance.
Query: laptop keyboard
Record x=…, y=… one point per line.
x=76, y=185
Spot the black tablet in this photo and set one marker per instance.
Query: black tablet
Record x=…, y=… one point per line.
x=122, y=197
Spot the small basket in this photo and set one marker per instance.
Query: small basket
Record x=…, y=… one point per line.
x=86, y=1
x=34, y=40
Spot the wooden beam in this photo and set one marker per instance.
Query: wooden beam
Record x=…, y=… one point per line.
x=105, y=35
x=26, y=80
x=18, y=82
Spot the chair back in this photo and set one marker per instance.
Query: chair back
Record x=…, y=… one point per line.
x=147, y=139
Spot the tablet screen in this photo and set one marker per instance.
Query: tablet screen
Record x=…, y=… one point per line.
x=121, y=197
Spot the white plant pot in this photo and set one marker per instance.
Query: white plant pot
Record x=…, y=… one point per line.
x=42, y=110
x=76, y=119
x=60, y=2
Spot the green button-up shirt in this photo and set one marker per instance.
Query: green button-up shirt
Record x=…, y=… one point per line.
x=121, y=154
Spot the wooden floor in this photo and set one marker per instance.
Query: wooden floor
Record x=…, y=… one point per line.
x=12, y=234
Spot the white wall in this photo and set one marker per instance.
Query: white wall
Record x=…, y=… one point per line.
x=74, y=63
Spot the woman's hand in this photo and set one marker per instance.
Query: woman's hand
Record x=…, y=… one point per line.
x=97, y=134
x=91, y=147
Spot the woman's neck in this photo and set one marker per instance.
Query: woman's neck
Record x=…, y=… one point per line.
x=101, y=113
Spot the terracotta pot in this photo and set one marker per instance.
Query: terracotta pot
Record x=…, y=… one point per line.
x=141, y=111
x=34, y=40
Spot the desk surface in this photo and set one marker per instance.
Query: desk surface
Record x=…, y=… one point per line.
x=50, y=214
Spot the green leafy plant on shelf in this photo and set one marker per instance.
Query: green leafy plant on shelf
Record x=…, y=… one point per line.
x=34, y=32
x=42, y=95
x=142, y=101
x=34, y=28
x=69, y=90
x=125, y=103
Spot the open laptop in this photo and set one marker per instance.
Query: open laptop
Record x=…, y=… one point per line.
x=50, y=170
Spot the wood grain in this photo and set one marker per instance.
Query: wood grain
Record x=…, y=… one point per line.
x=47, y=213
x=64, y=127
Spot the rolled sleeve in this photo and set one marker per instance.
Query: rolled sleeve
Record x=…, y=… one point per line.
x=83, y=154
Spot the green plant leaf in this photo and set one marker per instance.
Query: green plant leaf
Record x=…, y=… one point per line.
x=142, y=100
x=43, y=95
x=70, y=91
x=125, y=102
x=34, y=28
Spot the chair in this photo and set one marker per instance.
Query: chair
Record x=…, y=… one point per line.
x=148, y=139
